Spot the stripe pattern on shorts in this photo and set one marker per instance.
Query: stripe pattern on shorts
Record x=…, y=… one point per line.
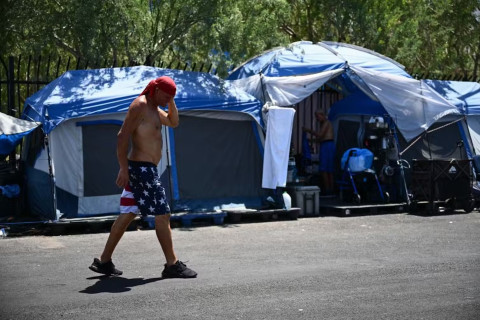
x=127, y=202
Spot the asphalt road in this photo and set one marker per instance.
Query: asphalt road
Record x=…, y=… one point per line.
x=392, y=266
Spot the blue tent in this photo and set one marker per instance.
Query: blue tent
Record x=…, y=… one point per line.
x=83, y=93
x=287, y=75
x=466, y=97
x=213, y=158
x=305, y=57
x=442, y=138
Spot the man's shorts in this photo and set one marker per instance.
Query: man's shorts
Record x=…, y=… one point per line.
x=144, y=193
x=327, y=156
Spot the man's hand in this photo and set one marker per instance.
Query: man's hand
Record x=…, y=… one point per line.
x=171, y=102
x=171, y=118
x=122, y=178
x=308, y=130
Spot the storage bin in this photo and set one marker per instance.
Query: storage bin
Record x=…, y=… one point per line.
x=307, y=198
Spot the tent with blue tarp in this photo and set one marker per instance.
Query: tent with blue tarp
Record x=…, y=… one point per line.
x=465, y=96
x=213, y=158
x=12, y=131
x=439, y=141
x=448, y=137
x=287, y=75
x=370, y=83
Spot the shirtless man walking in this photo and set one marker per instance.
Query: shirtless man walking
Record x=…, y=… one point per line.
x=138, y=175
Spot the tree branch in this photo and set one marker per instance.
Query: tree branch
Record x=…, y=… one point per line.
x=65, y=46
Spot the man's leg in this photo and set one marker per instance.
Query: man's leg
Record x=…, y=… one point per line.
x=116, y=233
x=164, y=235
x=174, y=268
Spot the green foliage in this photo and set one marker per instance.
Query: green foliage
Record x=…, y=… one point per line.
x=438, y=36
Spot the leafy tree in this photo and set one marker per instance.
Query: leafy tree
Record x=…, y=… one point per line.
x=169, y=22
x=439, y=36
x=87, y=29
x=241, y=29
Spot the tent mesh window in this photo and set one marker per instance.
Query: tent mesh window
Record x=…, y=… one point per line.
x=100, y=164
x=217, y=158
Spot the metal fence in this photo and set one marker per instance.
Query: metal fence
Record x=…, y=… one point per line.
x=444, y=76
x=20, y=77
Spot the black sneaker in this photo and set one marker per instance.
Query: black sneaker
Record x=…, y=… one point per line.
x=107, y=268
x=178, y=270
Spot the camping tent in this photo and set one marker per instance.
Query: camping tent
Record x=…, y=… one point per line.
x=371, y=84
x=439, y=141
x=466, y=96
x=353, y=117
x=214, y=157
x=285, y=76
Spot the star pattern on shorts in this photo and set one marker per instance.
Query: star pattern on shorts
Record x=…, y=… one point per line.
x=148, y=188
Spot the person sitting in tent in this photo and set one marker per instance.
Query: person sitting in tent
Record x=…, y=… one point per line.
x=138, y=175
x=324, y=136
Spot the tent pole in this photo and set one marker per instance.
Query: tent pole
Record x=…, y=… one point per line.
x=469, y=149
x=52, y=176
x=400, y=163
x=169, y=165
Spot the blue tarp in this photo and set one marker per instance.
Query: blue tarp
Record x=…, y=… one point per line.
x=12, y=130
x=101, y=91
x=284, y=76
x=463, y=94
x=466, y=97
x=305, y=57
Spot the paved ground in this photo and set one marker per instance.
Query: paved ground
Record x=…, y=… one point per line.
x=392, y=266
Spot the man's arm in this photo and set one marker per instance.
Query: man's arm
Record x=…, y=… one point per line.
x=171, y=118
x=131, y=122
x=316, y=136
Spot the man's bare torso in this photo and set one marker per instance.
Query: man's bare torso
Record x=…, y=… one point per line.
x=327, y=130
x=147, y=138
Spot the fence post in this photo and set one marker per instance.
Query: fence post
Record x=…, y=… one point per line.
x=10, y=87
x=11, y=101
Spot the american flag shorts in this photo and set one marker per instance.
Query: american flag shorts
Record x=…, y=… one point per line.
x=144, y=193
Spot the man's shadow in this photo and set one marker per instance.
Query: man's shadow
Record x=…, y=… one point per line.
x=115, y=284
